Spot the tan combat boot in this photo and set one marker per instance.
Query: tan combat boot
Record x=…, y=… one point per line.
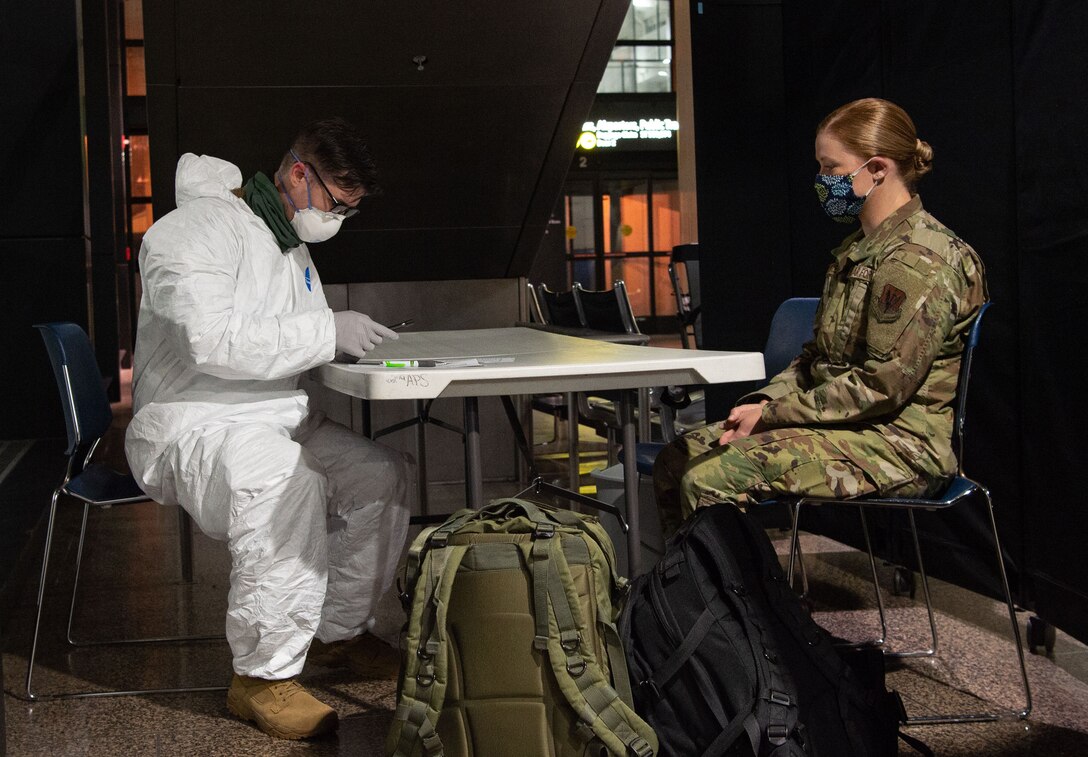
x=365, y=655
x=280, y=708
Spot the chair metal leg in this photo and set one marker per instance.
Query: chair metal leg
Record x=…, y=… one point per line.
x=182, y=522
x=925, y=592
x=1015, y=626
x=795, y=550
x=1015, y=629
x=876, y=582
x=75, y=580
x=29, y=694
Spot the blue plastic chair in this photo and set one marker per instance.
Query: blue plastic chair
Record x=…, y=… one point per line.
x=87, y=416
x=960, y=489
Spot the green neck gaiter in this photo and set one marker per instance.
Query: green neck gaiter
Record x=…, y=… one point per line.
x=264, y=199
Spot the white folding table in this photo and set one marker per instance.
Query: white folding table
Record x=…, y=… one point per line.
x=522, y=360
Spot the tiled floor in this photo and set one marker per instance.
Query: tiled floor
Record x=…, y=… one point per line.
x=132, y=585
x=151, y=599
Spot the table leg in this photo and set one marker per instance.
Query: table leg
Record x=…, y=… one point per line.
x=421, y=456
x=573, y=474
x=519, y=436
x=474, y=483
x=645, y=427
x=630, y=485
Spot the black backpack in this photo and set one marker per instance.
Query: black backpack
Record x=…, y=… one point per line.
x=725, y=660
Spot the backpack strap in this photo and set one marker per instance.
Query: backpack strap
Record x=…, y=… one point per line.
x=604, y=715
x=617, y=662
x=660, y=677
x=438, y=537
x=425, y=672
x=416, y=552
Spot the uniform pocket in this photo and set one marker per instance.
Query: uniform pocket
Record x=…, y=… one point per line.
x=849, y=315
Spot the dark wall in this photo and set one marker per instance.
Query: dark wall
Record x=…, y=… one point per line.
x=42, y=243
x=61, y=228
x=473, y=144
x=990, y=85
x=1051, y=159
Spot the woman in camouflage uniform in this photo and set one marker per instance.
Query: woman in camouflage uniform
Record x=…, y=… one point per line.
x=867, y=406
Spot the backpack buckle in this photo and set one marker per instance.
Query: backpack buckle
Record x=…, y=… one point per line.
x=427, y=651
x=544, y=531
x=777, y=697
x=576, y=665
x=777, y=733
x=651, y=687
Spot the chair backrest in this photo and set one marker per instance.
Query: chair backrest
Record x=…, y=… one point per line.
x=536, y=312
x=559, y=308
x=606, y=309
x=87, y=413
x=961, y=385
x=791, y=327
x=684, y=276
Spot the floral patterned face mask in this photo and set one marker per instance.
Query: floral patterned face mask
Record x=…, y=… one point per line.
x=836, y=195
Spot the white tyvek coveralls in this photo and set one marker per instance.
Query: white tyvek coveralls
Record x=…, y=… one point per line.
x=315, y=516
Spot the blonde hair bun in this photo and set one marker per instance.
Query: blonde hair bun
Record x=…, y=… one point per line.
x=923, y=158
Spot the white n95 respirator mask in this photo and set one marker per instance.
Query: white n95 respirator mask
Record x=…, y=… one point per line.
x=313, y=225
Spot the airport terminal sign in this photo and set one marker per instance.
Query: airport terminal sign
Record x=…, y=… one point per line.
x=637, y=134
x=624, y=123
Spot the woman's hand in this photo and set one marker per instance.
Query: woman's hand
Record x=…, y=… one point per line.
x=743, y=420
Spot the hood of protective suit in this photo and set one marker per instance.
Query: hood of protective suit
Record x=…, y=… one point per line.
x=205, y=176
x=227, y=321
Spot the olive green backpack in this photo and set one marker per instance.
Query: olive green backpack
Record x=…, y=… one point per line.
x=511, y=646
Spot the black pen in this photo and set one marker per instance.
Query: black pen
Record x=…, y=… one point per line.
x=402, y=324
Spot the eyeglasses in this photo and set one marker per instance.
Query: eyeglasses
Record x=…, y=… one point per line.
x=338, y=208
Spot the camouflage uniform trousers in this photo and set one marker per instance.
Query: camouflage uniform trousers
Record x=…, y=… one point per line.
x=837, y=463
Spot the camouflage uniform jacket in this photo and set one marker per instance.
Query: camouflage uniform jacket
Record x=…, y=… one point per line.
x=889, y=334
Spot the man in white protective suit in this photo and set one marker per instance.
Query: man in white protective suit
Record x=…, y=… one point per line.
x=315, y=516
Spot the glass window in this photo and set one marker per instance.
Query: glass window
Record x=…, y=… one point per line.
x=634, y=271
x=134, y=72
x=647, y=21
x=664, y=295
x=625, y=209
x=141, y=217
x=641, y=68
x=134, y=19
x=636, y=63
x=626, y=217
x=666, y=215
x=579, y=233
x=139, y=166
